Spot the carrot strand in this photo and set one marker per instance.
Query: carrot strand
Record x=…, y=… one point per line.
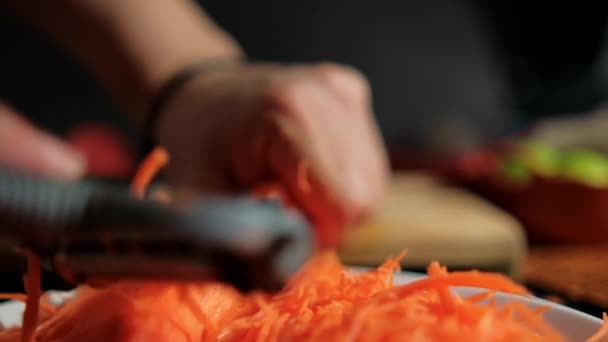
x=324, y=301
x=303, y=180
x=479, y=297
x=151, y=165
x=32, y=289
x=465, y=279
x=602, y=334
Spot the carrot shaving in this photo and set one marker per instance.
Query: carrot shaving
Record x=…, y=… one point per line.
x=303, y=180
x=436, y=270
x=602, y=334
x=466, y=279
x=541, y=309
x=324, y=301
x=32, y=288
x=478, y=297
x=554, y=299
x=533, y=319
x=156, y=160
x=274, y=190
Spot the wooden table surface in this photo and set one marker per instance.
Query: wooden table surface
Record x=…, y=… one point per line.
x=578, y=274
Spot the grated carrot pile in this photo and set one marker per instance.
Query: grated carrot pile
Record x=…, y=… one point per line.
x=324, y=301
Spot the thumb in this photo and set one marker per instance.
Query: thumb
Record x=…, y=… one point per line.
x=24, y=147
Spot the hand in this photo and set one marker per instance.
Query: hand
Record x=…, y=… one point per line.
x=24, y=147
x=240, y=126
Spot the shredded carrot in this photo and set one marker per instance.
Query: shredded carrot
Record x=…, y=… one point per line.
x=466, y=279
x=478, y=297
x=324, y=301
x=370, y=305
x=274, y=190
x=554, y=299
x=156, y=160
x=602, y=334
x=541, y=309
x=303, y=178
x=32, y=288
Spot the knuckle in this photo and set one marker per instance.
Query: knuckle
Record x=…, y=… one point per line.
x=359, y=208
x=328, y=69
x=345, y=79
x=283, y=96
x=282, y=92
x=357, y=205
x=364, y=199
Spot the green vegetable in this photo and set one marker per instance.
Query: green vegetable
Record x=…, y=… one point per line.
x=516, y=172
x=587, y=167
x=540, y=158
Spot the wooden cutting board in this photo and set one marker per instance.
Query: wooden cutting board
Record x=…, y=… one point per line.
x=437, y=222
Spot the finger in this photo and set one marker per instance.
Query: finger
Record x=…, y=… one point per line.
x=353, y=151
x=352, y=159
x=345, y=82
x=347, y=171
x=287, y=157
x=24, y=147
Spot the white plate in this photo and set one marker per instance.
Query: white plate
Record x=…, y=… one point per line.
x=572, y=324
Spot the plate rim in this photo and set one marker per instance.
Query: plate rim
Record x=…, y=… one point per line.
x=400, y=278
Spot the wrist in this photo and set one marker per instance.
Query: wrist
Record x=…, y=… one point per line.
x=157, y=44
x=173, y=86
x=154, y=77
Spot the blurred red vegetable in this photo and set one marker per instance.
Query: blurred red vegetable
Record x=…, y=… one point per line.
x=107, y=151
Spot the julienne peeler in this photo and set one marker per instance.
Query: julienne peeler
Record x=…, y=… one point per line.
x=92, y=230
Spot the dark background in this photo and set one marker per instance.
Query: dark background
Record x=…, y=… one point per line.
x=443, y=72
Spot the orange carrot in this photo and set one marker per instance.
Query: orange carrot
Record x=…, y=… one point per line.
x=367, y=307
x=602, y=334
x=324, y=301
x=476, y=298
x=465, y=279
x=156, y=160
x=32, y=289
x=303, y=178
x=554, y=299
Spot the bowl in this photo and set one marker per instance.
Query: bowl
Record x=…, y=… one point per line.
x=552, y=210
x=572, y=324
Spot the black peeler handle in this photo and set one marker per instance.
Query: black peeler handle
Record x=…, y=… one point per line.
x=33, y=210
x=91, y=230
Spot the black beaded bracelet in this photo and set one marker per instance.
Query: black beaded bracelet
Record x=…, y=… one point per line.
x=169, y=90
